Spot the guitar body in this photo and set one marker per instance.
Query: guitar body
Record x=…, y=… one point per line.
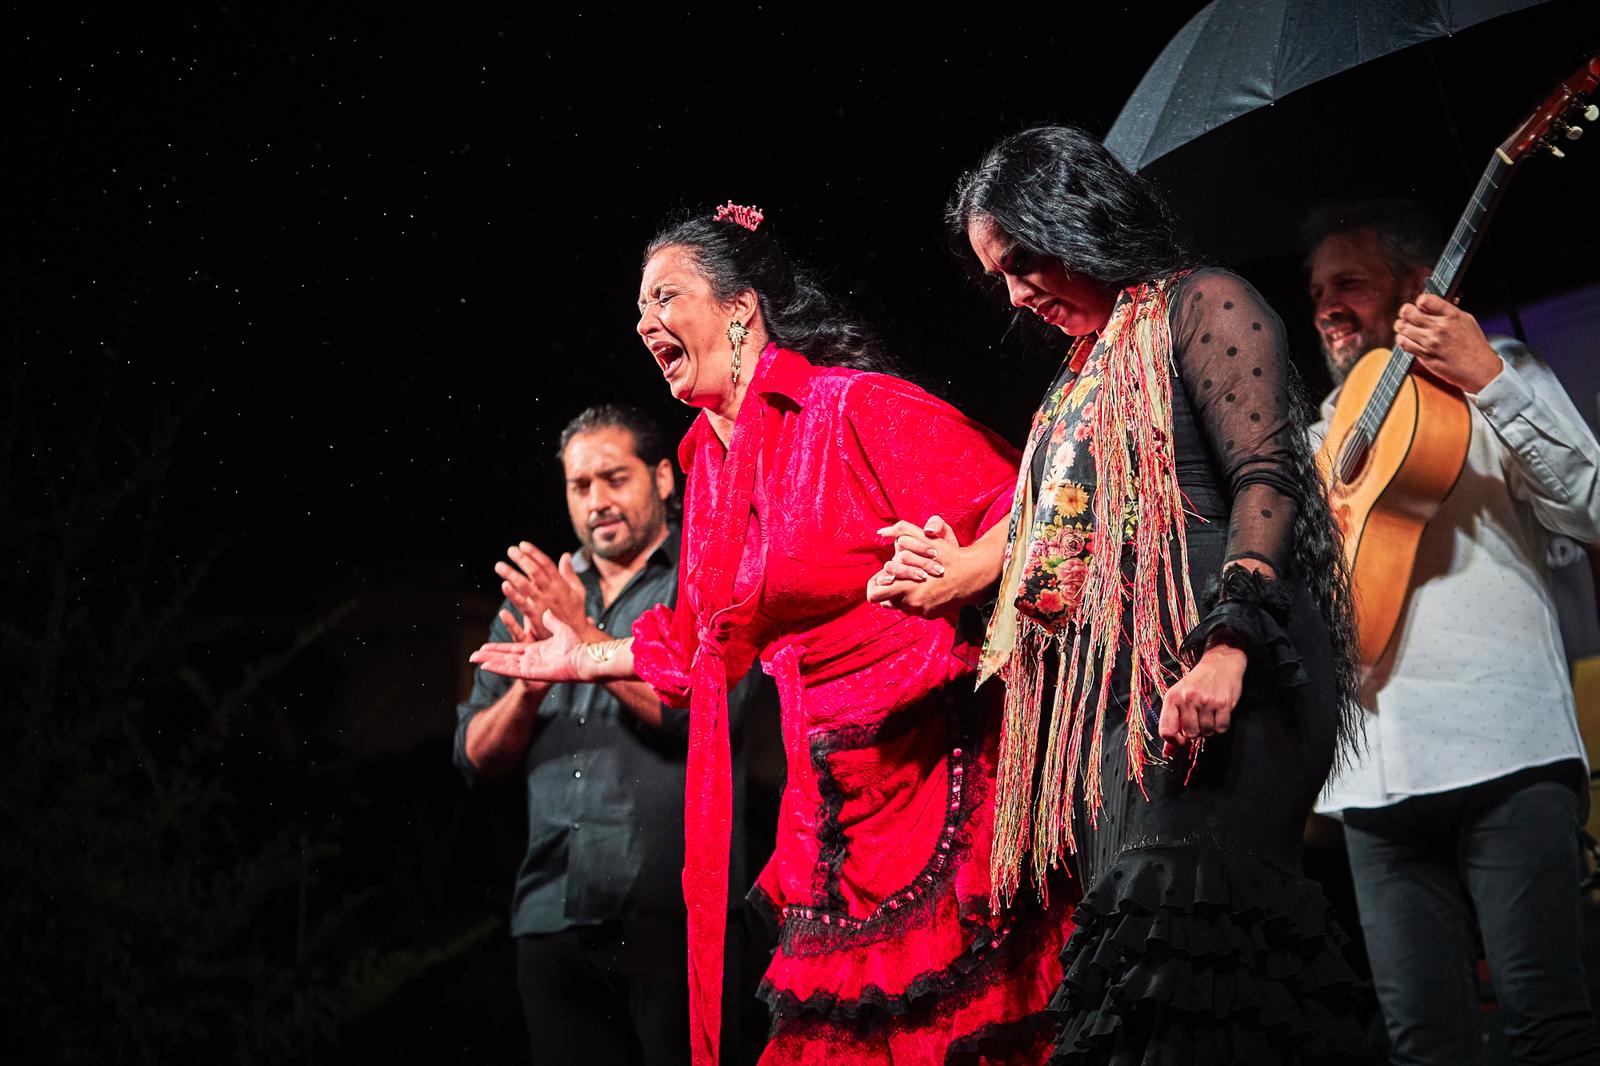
x=1398, y=438
x=1414, y=461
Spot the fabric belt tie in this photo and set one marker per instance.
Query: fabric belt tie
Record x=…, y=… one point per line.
x=708, y=829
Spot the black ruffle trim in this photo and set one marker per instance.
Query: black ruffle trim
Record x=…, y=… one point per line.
x=1195, y=955
x=990, y=958
x=953, y=985
x=1003, y=1041
x=1256, y=610
x=832, y=843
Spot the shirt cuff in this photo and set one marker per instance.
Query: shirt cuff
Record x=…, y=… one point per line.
x=657, y=660
x=1256, y=610
x=998, y=511
x=465, y=713
x=1504, y=398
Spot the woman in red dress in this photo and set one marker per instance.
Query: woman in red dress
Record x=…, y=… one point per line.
x=889, y=945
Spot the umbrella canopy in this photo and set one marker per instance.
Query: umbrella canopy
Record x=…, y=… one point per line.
x=1419, y=121
x=1238, y=55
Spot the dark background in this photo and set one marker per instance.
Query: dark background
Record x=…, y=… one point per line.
x=297, y=301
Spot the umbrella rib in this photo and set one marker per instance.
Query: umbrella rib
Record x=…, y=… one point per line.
x=1165, y=115
x=1277, y=55
x=1149, y=150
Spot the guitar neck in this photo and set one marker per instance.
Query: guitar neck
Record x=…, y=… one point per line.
x=1446, y=278
x=1445, y=281
x=1558, y=115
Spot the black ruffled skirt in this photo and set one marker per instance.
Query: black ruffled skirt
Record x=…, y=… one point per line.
x=1191, y=956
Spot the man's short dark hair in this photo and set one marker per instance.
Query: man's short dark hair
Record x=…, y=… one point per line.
x=1406, y=232
x=649, y=443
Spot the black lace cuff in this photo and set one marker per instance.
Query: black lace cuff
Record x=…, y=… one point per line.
x=1256, y=610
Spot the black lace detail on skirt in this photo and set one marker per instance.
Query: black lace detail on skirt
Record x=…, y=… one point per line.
x=990, y=958
x=947, y=987
x=766, y=910
x=831, y=841
x=810, y=930
x=1002, y=1040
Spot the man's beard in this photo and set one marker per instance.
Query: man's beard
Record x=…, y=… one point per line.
x=1366, y=337
x=635, y=536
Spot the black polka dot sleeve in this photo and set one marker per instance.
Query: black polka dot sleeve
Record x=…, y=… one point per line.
x=1230, y=352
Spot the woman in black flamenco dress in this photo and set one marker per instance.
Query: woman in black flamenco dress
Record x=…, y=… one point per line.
x=1173, y=625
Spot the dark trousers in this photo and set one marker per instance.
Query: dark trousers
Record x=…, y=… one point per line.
x=619, y=993
x=1502, y=857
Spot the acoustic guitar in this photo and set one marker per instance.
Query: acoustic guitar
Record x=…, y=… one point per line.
x=1398, y=438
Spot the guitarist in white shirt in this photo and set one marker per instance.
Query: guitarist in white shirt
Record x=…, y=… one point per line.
x=1462, y=813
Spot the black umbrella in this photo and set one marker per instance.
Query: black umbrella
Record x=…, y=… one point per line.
x=1238, y=55
x=1377, y=97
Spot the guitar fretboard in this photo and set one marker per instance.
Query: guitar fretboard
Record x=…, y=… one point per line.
x=1443, y=282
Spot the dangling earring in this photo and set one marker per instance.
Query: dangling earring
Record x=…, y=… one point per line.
x=736, y=335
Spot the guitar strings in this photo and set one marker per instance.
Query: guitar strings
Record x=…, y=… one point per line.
x=1448, y=266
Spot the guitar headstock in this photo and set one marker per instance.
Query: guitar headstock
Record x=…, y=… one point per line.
x=1558, y=119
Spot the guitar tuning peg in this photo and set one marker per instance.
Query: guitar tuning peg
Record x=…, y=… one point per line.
x=1591, y=113
x=1568, y=130
x=1553, y=150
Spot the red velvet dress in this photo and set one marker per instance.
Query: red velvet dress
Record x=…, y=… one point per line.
x=879, y=884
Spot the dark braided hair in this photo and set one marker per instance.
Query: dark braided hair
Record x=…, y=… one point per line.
x=1059, y=193
x=799, y=314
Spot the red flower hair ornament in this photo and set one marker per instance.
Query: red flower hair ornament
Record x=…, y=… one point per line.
x=748, y=217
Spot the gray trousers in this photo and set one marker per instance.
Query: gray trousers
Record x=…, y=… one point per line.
x=1501, y=859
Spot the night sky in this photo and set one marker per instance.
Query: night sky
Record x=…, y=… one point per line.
x=391, y=258
x=388, y=257
x=363, y=266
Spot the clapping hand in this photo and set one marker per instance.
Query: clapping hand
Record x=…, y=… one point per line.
x=536, y=585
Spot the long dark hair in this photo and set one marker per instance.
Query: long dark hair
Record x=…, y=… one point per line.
x=1059, y=193
x=1320, y=564
x=799, y=314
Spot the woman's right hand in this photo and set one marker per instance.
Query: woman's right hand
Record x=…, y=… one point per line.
x=930, y=573
x=558, y=657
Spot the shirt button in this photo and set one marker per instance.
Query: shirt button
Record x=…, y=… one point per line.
x=576, y=827
x=577, y=773
x=600, y=625
x=582, y=720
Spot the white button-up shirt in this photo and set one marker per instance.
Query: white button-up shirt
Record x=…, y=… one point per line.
x=1474, y=684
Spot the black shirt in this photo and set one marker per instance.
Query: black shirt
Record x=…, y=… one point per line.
x=605, y=792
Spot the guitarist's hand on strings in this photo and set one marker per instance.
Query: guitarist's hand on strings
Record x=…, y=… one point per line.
x=1448, y=342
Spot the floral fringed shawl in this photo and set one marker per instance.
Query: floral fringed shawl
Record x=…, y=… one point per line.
x=1110, y=488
